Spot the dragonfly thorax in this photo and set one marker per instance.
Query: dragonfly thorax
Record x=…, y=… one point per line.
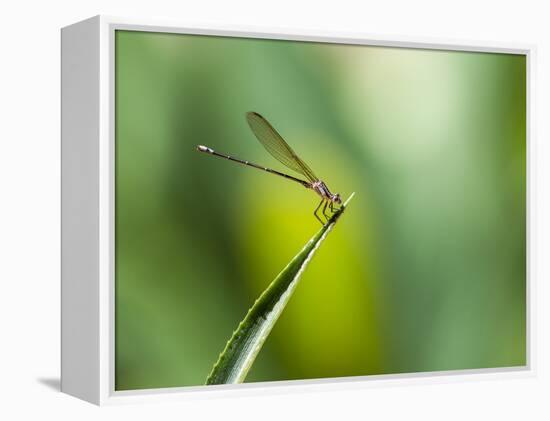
x=322, y=190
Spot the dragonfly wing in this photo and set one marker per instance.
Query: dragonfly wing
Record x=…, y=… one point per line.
x=276, y=145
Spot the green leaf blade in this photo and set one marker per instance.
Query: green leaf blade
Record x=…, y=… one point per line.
x=244, y=345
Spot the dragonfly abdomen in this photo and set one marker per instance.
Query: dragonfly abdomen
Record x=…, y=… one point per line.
x=211, y=151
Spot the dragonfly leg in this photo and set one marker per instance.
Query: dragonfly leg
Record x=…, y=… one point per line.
x=325, y=210
x=333, y=208
x=315, y=212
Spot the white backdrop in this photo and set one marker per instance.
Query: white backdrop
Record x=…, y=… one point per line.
x=30, y=194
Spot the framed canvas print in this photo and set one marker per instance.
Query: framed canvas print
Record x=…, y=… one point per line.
x=244, y=211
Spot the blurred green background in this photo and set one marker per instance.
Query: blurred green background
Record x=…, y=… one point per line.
x=427, y=269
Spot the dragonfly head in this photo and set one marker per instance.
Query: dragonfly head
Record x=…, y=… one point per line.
x=336, y=198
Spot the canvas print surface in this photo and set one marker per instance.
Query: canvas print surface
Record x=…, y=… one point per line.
x=424, y=271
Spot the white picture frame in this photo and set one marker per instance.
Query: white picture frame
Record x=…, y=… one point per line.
x=87, y=359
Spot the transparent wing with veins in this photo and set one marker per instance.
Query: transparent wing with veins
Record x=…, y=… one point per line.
x=277, y=147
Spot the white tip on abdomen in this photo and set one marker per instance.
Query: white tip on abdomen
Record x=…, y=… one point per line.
x=204, y=149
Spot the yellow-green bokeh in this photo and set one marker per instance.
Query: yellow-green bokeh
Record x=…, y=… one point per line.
x=425, y=272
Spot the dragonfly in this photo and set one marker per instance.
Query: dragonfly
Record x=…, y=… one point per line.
x=274, y=143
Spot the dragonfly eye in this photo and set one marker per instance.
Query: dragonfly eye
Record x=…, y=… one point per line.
x=337, y=198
